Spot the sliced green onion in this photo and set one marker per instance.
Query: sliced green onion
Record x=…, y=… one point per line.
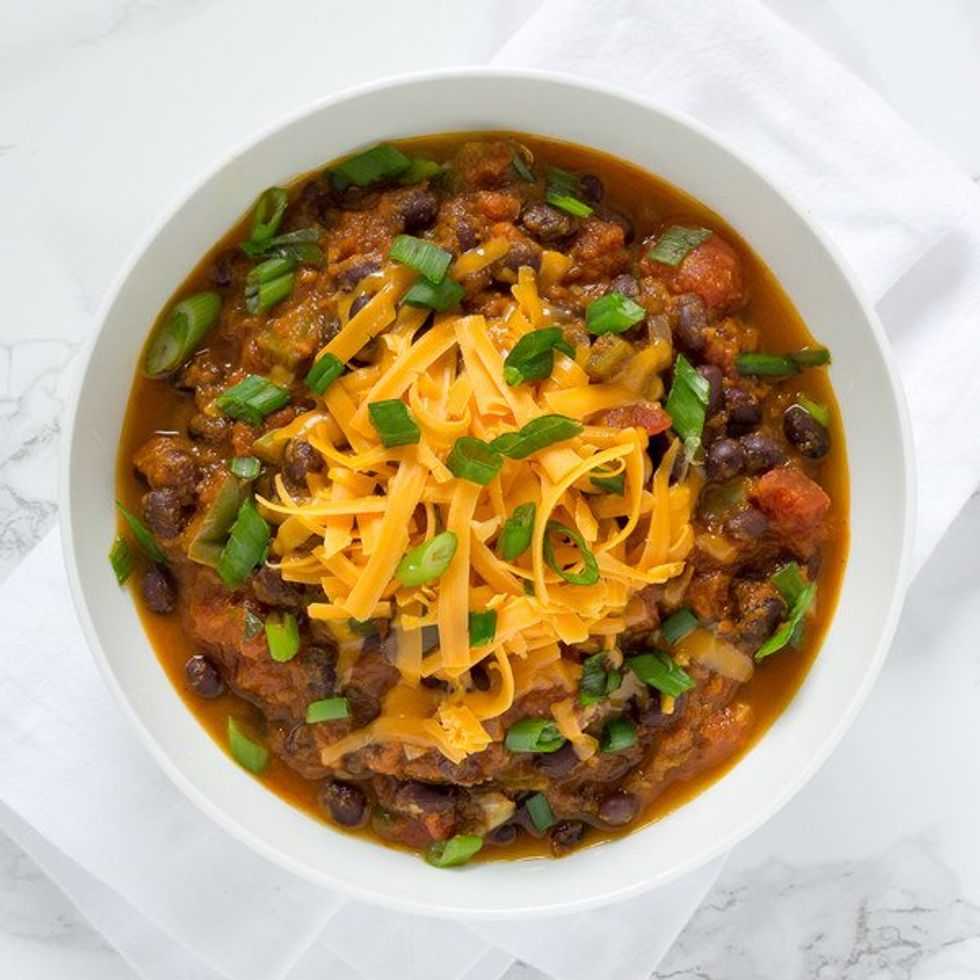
x=453, y=852
x=474, y=460
x=534, y=735
x=818, y=412
x=180, y=332
x=211, y=531
x=539, y=433
x=440, y=297
x=428, y=561
x=247, y=545
x=268, y=283
x=483, y=627
x=590, y=567
x=674, y=244
x=121, y=559
x=381, y=162
x=143, y=535
x=300, y=246
x=253, y=625
x=329, y=709
x=811, y=357
x=563, y=190
x=421, y=169
x=269, y=209
x=364, y=627
x=520, y=167
x=247, y=752
x=425, y=258
x=610, y=484
x=790, y=582
x=659, y=670
x=245, y=467
x=568, y=204
x=617, y=734
x=252, y=399
x=515, y=536
x=790, y=631
x=539, y=810
x=597, y=682
x=533, y=357
x=613, y=313
x=325, y=371
x=282, y=635
x=528, y=586
x=766, y=365
x=393, y=423
x=677, y=626
x=687, y=403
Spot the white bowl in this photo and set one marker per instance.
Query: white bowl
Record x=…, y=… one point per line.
x=881, y=490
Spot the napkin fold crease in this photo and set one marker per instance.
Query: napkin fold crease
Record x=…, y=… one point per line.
x=181, y=899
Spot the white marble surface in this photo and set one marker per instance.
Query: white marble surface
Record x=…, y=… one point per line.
x=108, y=108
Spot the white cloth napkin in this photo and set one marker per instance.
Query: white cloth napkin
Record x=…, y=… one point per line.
x=177, y=896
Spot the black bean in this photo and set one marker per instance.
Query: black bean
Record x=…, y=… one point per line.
x=207, y=428
x=159, y=591
x=466, y=235
x=557, y=764
x=546, y=223
x=592, y=189
x=619, y=809
x=345, y=803
x=760, y=621
x=479, y=677
x=503, y=835
x=624, y=284
x=425, y=797
x=725, y=459
x=748, y=524
x=761, y=452
x=270, y=588
x=204, y=676
x=691, y=322
x=805, y=432
x=164, y=512
x=221, y=270
x=522, y=253
x=744, y=412
x=298, y=459
x=419, y=209
x=712, y=375
x=566, y=834
x=349, y=277
x=359, y=303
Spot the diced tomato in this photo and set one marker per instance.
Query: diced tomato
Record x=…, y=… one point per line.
x=712, y=269
x=648, y=416
x=795, y=505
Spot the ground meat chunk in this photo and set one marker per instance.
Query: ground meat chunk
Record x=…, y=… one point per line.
x=760, y=610
x=708, y=595
x=796, y=507
x=547, y=224
x=270, y=588
x=168, y=461
x=164, y=513
x=483, y=164
x=598, y=252
x=649, y=416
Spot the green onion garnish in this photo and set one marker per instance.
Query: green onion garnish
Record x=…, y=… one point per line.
x=381, y=162
x=520, y=167
x=590, y=567
x=143, y=535
x=269, y=283
x=425, y=258
x=393, y=423
x=252, y=399
x=767, y=365
x=428, y=561
x=539, y=433
x=811, y=356
x=246, y=547
x=329, y=709
x=515, y=536
x=568, y=204
x=533, y=356
x=178, y=335
x=421, y=169
x=247, y=752
x=474, y=460
x=245, y=467
x=790, y=631
x=282, y=635
x=483, y=627
x=440, y=297
x=253, y=625
x=597, y=682
x=539, y=810
x=610, y=484
x=563, y=190
x=790, y=582
x=617, y=734
x=121, y=559
x=659, y=670
x=674, y=244
x=364, y=627
x=677, y=626
x=269, y=209
x=612, y=313
x=687, y=403
x=453, y=852
x=299, y=246
x=325, y=371
x=534, y=735
x=818, y=412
